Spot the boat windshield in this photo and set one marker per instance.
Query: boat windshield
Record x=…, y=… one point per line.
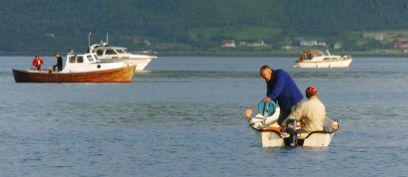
x=100, y=52
x=110, y=52
x=120, y=51
x=96, y=57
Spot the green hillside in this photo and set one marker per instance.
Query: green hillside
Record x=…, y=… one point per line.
x=198, y=26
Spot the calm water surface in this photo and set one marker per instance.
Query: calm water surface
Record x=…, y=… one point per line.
x=185, y=118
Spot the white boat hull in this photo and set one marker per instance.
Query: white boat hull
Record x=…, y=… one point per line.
x=139, y=63
x=315, y=139
x=323, y=64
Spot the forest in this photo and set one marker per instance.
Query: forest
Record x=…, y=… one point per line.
x=194, y=25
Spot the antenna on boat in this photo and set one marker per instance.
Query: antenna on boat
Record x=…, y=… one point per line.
x=107, y=38
x=328, y=53
x=89, y=41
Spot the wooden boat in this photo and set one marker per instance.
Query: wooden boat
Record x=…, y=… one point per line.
x=80, y=68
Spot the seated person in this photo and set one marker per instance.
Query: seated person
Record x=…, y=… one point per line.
x=263, y=122
x=311, y=112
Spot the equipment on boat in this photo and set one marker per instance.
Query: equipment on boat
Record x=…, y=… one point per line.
x=293, y=129
x=266, y=109
x=268, y=114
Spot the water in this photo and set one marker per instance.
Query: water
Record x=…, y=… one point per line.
x=185, y=118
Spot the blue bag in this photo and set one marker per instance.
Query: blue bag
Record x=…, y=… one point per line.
x=269, y=108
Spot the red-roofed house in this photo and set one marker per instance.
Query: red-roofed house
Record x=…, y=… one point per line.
x=228, y=44
x=401, y=43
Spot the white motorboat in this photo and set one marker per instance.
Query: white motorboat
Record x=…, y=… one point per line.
x=317, y=59
x=271, y=134
x=105, y=52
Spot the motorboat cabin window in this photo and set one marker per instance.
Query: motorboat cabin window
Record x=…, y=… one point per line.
x=110, y=52
x=80, y=59
x=95, y=57
x=72, y=59
x=100, y=52
x=90, y=59
x=120, y=51
x=309, y=56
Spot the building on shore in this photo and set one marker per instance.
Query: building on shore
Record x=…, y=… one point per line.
x=310, y=43
x=401, y=43
x=228, y=44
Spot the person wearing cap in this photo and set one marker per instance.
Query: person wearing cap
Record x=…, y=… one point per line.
x=281, y=89
x=311, y=112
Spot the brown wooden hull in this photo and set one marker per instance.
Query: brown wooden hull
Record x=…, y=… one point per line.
x=120, y=75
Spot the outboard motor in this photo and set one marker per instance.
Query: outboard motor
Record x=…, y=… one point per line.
x=292, y=128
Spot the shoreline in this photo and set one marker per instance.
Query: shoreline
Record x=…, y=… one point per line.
x=228, y=54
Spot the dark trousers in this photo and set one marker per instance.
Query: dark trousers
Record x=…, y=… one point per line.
x=283, y=115
x=59, y=67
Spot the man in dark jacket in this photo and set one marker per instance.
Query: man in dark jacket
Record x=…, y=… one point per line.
x=281, y=89
x=59, y=62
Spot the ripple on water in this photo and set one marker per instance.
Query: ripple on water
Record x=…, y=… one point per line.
x=189, y=122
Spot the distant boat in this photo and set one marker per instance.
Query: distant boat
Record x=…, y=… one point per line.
x=105, y=52
x=80, y=68
x=317, y=59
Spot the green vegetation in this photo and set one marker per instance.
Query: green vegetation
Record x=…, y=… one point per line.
x=198, y=27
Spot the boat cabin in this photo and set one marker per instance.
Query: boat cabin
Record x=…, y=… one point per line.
x=309, y=54
x=110, y=52
x=104, y=51
x=87, y=62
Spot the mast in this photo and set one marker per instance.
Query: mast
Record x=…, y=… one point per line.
x=328, y=53
x=89, y=41
x=107, y=38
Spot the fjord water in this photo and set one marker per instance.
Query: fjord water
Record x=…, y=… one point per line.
x=185, y=118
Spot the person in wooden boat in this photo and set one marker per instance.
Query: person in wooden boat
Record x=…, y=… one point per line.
x=37, y=62
x=281, y=89
x=58, y=66
x=312, y=113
